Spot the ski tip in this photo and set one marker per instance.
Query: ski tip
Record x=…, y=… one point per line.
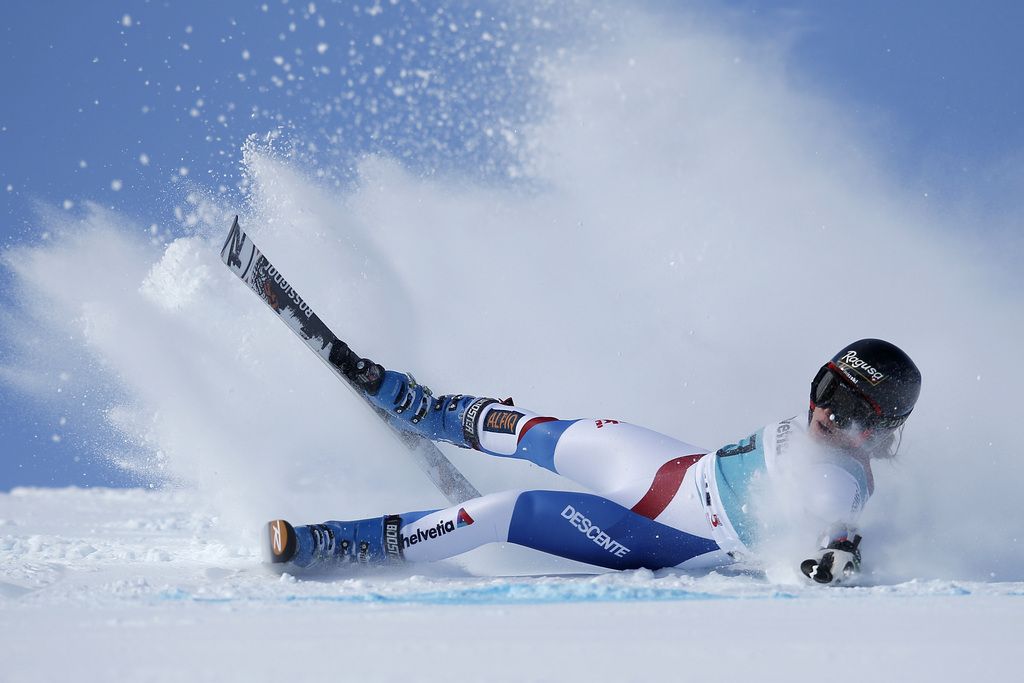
x=233, y=244
x=278, y=542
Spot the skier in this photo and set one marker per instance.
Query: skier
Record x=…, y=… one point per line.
x=656, y=502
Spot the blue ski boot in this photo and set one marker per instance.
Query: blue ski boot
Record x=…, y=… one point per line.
x=365, y=541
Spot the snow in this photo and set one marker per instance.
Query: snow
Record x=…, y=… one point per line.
x=152, y=585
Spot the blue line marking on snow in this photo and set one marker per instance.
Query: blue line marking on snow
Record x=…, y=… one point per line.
x=491, y=595
x=524, y=593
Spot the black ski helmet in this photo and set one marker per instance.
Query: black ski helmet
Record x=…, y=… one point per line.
x=876, y=371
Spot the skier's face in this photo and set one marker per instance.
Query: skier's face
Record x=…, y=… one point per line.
x=824, y=428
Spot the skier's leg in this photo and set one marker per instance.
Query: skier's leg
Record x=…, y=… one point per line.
x=440, y=534
x=633, y=466
x=622, y=461
x=595, y=530
x=422, y=536
x=577, y=526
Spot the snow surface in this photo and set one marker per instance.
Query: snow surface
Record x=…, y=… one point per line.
x=101, y=585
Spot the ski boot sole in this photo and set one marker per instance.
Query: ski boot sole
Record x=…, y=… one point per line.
x=279, y=542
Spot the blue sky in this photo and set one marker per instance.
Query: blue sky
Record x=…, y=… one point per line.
x=128, y=104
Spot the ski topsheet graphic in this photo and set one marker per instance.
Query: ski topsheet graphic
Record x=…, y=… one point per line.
x=254, y=269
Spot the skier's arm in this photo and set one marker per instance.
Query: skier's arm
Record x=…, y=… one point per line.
x=835, y=500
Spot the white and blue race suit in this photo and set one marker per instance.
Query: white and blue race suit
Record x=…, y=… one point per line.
x=655, y=501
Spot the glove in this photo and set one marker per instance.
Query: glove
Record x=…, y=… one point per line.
x=834, y=564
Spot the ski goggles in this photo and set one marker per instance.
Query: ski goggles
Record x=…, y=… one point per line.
x=848, y=405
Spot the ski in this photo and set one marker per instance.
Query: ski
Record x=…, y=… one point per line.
x=246, y=261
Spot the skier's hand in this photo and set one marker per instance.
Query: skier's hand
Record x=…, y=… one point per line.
x=835, y=564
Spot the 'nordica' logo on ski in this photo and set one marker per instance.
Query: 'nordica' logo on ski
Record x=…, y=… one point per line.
x=287, y=289
x=441, y=529
x=594, y=533
x=851, y=360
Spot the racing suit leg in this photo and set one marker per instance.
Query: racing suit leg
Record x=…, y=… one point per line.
x=619, y=460
x=577, y=526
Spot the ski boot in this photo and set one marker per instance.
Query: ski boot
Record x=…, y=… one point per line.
x=366, y=541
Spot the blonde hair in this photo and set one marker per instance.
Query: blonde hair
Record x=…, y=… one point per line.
x=886, y=446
